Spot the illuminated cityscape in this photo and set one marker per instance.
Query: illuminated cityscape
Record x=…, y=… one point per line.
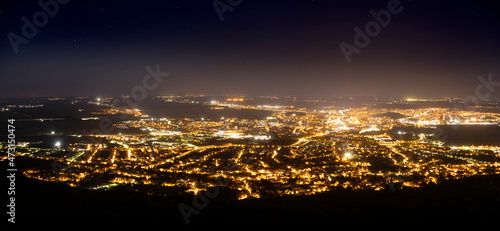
x=233, y=113
x=291, y=151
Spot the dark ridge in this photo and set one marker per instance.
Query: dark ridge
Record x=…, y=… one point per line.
x=473, y=199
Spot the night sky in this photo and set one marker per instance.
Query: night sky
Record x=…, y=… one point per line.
x=262, y=47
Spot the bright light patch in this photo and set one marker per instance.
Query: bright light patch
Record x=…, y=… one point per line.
x=348, y=155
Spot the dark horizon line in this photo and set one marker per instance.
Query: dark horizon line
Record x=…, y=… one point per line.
x=248, y=96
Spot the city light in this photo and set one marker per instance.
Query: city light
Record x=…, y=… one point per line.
x=287, y=112
x=298, y=151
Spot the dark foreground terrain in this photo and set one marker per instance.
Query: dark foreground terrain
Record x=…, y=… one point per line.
x=473, y=200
